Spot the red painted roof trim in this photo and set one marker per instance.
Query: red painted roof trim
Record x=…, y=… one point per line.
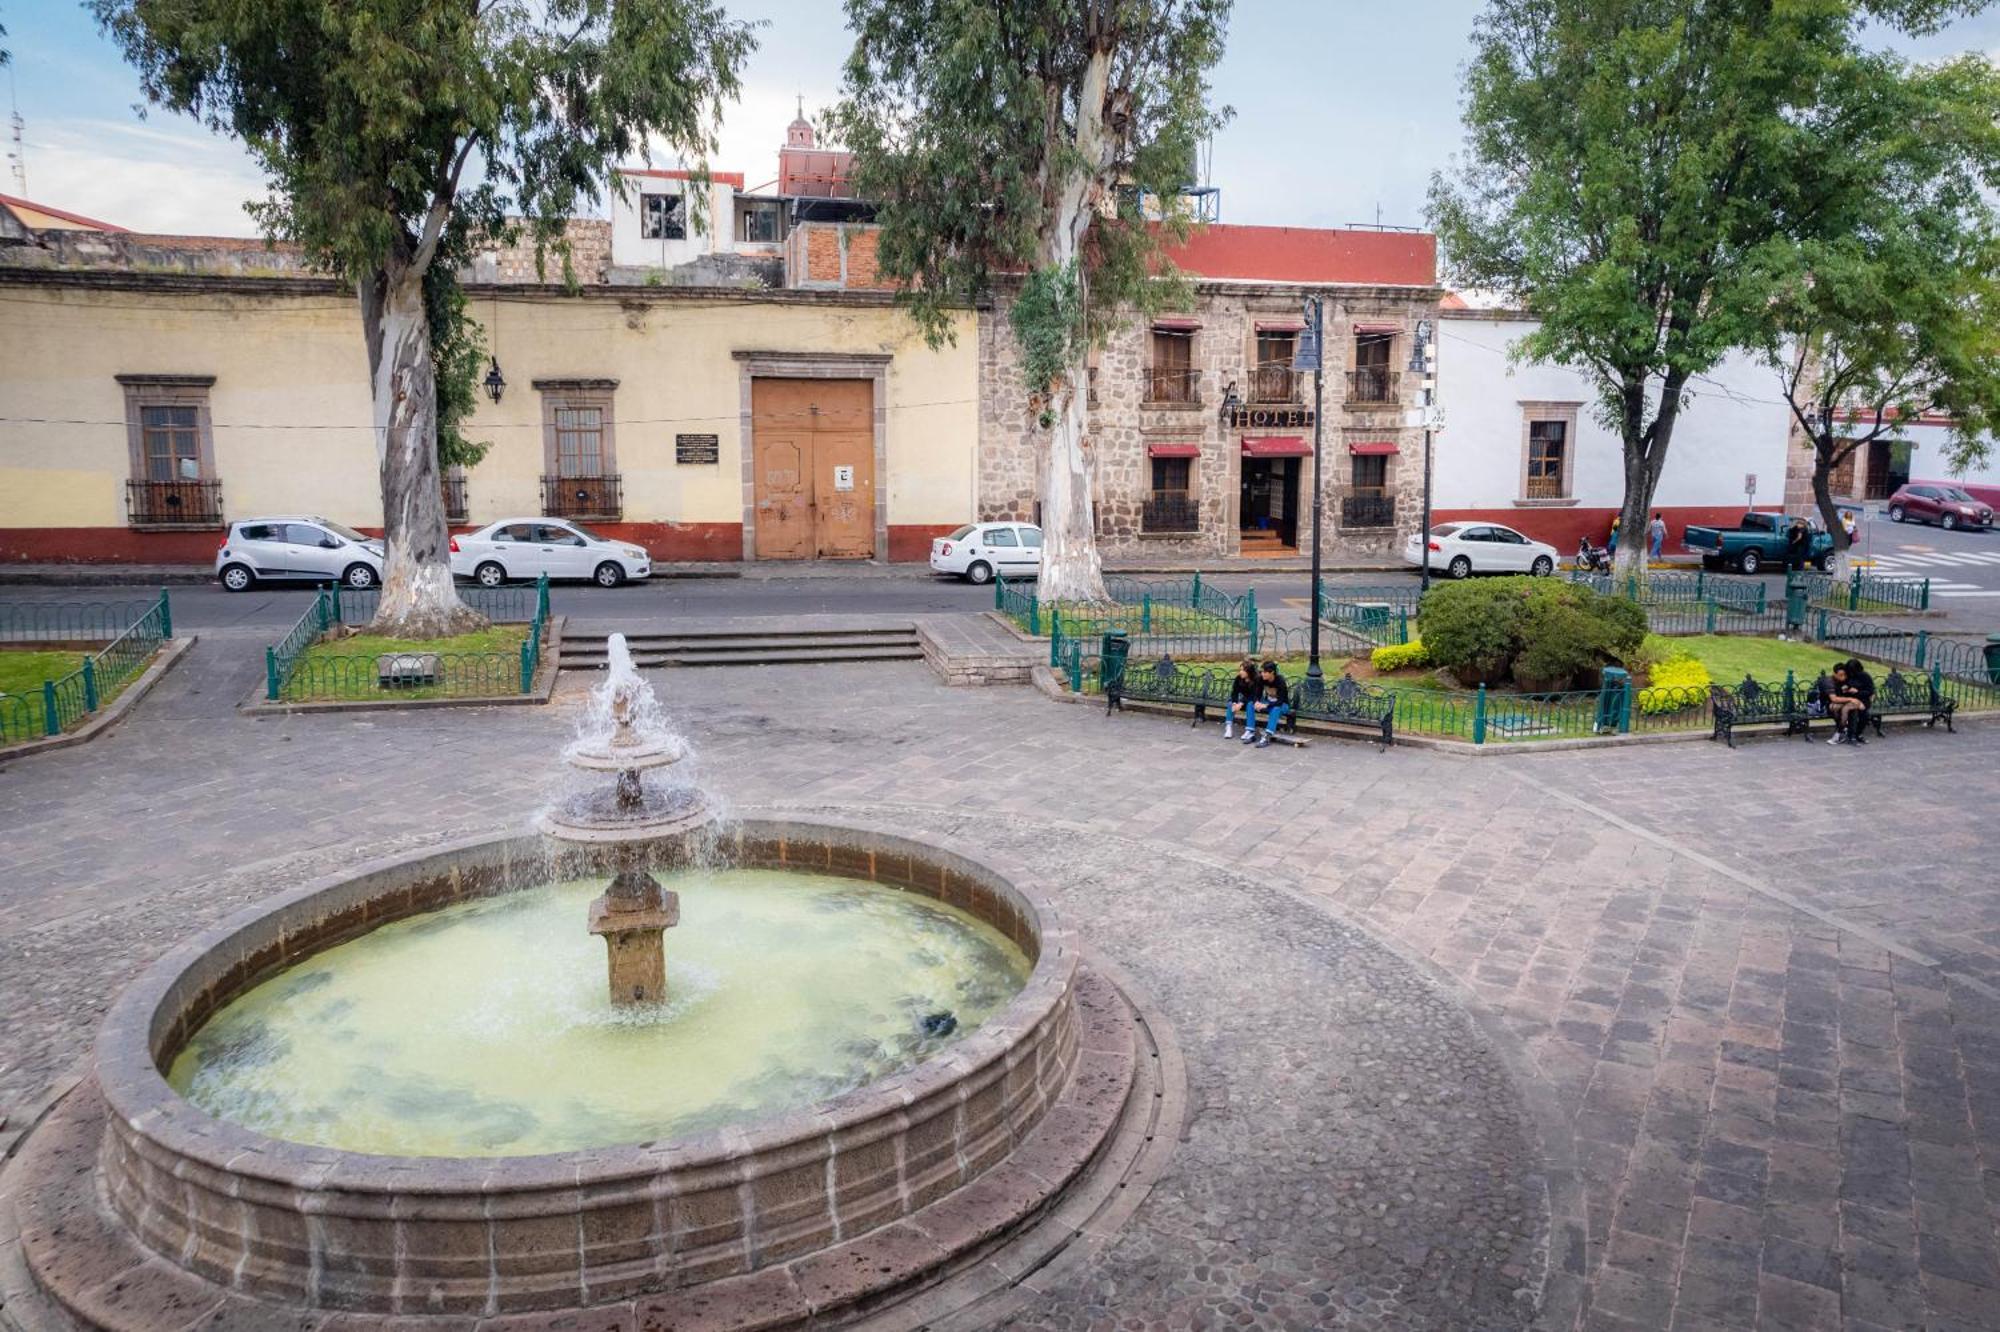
x=1276, y=446
x=1309, y=255
x=62, y=213
x=1281, y=325
x=1378, y=328
x=1374, y=448
x=733, y=179
x=1173, y=450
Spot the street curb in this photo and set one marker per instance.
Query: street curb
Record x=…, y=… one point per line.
x=544, y=688
x=176, y=648
x=106, y=575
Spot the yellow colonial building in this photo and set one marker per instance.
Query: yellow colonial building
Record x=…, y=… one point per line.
x=142, y=408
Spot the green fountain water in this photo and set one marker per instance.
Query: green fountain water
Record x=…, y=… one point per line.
x=484, y=1029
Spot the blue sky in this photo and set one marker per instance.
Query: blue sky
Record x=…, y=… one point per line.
x=1342, y=107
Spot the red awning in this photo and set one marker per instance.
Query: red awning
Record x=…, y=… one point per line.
x=1173, y=450
x=1373, y=448
x=1378, y=328
x=1281, y=325
x=1276, y=446
x=1176, y=324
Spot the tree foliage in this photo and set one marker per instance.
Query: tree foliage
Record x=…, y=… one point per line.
x=1636, y=174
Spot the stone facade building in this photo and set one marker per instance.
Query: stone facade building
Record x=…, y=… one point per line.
x=1201, y=432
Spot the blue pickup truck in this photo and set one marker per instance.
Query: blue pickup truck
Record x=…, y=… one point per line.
x=1755, y=542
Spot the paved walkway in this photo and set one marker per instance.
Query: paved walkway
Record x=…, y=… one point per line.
x=1750, y=999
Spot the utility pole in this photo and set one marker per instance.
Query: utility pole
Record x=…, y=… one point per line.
x=1311, y=355
x=1420, y=364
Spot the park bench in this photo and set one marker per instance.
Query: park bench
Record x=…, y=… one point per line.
x=1900, y=695
x=1754, y=704
x=1204, y=689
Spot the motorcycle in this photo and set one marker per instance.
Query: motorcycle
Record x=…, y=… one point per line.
x=1592, y=559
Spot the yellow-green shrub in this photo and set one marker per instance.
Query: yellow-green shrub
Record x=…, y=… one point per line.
x=1398, y=656
x=1679, y=681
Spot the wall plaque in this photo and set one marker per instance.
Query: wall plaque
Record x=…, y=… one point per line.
x=697, y=448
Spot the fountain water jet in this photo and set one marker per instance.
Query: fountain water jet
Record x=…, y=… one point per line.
x=626, y=736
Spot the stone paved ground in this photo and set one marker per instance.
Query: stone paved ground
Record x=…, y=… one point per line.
x=1758, y=989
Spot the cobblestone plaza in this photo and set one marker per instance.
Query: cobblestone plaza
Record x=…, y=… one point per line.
x=1665, y=1035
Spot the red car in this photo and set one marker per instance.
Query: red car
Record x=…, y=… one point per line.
x=1947, y=506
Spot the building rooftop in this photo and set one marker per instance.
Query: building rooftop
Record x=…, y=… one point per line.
x=1309, y=255
x=41, y=217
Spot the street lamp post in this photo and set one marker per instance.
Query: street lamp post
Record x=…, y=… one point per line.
x=1313, y=354
x=1420, y=364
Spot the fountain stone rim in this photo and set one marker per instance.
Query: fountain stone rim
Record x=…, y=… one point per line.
x=137, y=1038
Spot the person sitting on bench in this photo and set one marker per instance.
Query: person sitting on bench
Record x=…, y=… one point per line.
x=1274, y=700
x=1859, y=695
x=1243, y=698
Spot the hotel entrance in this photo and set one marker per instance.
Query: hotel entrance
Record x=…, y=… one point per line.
x=1268, y=507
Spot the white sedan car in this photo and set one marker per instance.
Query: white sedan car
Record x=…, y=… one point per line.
x=1464, y=549
x=531, y=547
x=978, y=551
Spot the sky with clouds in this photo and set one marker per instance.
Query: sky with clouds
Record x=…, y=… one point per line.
x=1343, y=108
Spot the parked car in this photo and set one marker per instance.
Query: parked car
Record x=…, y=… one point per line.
x=1758, y=540
x=531, y=547
x=977, y=551
x=1948, y=506
x=1464, y=549
x=302, y=548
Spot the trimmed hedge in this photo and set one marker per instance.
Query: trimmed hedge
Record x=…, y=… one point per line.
x=1398, y=656
x=1541, y=634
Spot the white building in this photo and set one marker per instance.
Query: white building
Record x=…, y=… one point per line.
x=1523, y=444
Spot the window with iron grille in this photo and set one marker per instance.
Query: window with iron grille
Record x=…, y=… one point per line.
x=171, y=450
x=1273, y=379
x=1371, y=473
x=1172, y=378
x=170, y=441
x=1548, y=448
x=1172, y=473
x=578, y=428
x=662, y=217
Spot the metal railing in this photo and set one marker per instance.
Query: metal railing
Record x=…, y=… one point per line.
x=1373, y=384
x=454, y=499
x=1862, y=591
x=1170, y=511
x=1545, y=488
x=65, y=701
x=1368, y=510
x=1275, y=382
x=173, y=503
x=1173, y=386
x=292, y=673
x=583, y=496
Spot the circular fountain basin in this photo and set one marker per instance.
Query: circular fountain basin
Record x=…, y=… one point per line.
x=801, y=1213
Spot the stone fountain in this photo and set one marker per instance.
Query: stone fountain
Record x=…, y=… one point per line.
x=626, y=735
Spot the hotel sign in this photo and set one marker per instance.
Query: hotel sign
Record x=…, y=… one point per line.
x=1271, y=418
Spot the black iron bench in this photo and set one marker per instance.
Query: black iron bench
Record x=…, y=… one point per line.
x=1207, y=688
x=1900, y=695
x=1754, y=704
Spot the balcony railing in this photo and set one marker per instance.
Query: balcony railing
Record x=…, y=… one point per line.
x=174, y=503
x=1368, y=510
x=1174, y=386
x=581, y=496
x=1372, y=384
x=454, y=499
x=1170, y=511
x=1545, y=488
x=1275, y=381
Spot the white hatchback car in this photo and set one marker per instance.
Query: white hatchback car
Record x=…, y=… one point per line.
x=531, y=547
x=977, y=551
x=1464, y=549
x=303, y=548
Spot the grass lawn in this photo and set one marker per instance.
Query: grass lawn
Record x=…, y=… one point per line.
x=21, y=677
x=1117, y=615
x=1730, y=658
x=486, y=664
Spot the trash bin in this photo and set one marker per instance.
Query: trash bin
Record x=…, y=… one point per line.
x=1112, y=650
x=1796, y=595
x=1611, y=699
x=1993, y=658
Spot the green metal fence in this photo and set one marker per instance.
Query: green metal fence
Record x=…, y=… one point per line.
x=290, y=673
x=1957, y=668
x=1377, y=616
x=1177, y=611
x=1862, y=591
x=135, y=630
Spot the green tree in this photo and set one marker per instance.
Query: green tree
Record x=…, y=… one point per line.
x=1039, y=146
x=1890, y=308
x=396, y=135
x=1636, y=175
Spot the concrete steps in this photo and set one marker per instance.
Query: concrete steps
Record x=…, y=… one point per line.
x=748, y=647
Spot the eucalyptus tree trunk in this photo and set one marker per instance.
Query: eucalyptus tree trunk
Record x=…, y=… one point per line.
x=418, y=599
x=1071, y=567
x=1829, y=512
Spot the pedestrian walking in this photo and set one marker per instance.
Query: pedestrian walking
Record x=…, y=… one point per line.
x=1656, y=536
x=1798, y=545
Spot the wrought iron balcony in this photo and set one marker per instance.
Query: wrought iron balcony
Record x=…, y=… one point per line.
x=1173, y=386
x=1373, y=384
x=1170, y=511
x=454, y=499
x=174, y=503
x=1275, y=381
x=582, y=496
x=1545, y=488
x=1368, y=509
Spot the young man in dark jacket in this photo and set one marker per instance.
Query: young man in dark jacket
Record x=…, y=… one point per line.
x=1274, y=700
x=1798, y=545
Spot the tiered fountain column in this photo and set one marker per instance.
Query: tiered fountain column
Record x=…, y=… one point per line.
x=634, y=912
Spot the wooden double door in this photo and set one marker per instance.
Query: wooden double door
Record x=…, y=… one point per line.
x=813, y=466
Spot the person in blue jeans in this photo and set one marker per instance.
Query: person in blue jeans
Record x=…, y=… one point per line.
x=1273, y=701
x=1656, y=536
x=1242, y=700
